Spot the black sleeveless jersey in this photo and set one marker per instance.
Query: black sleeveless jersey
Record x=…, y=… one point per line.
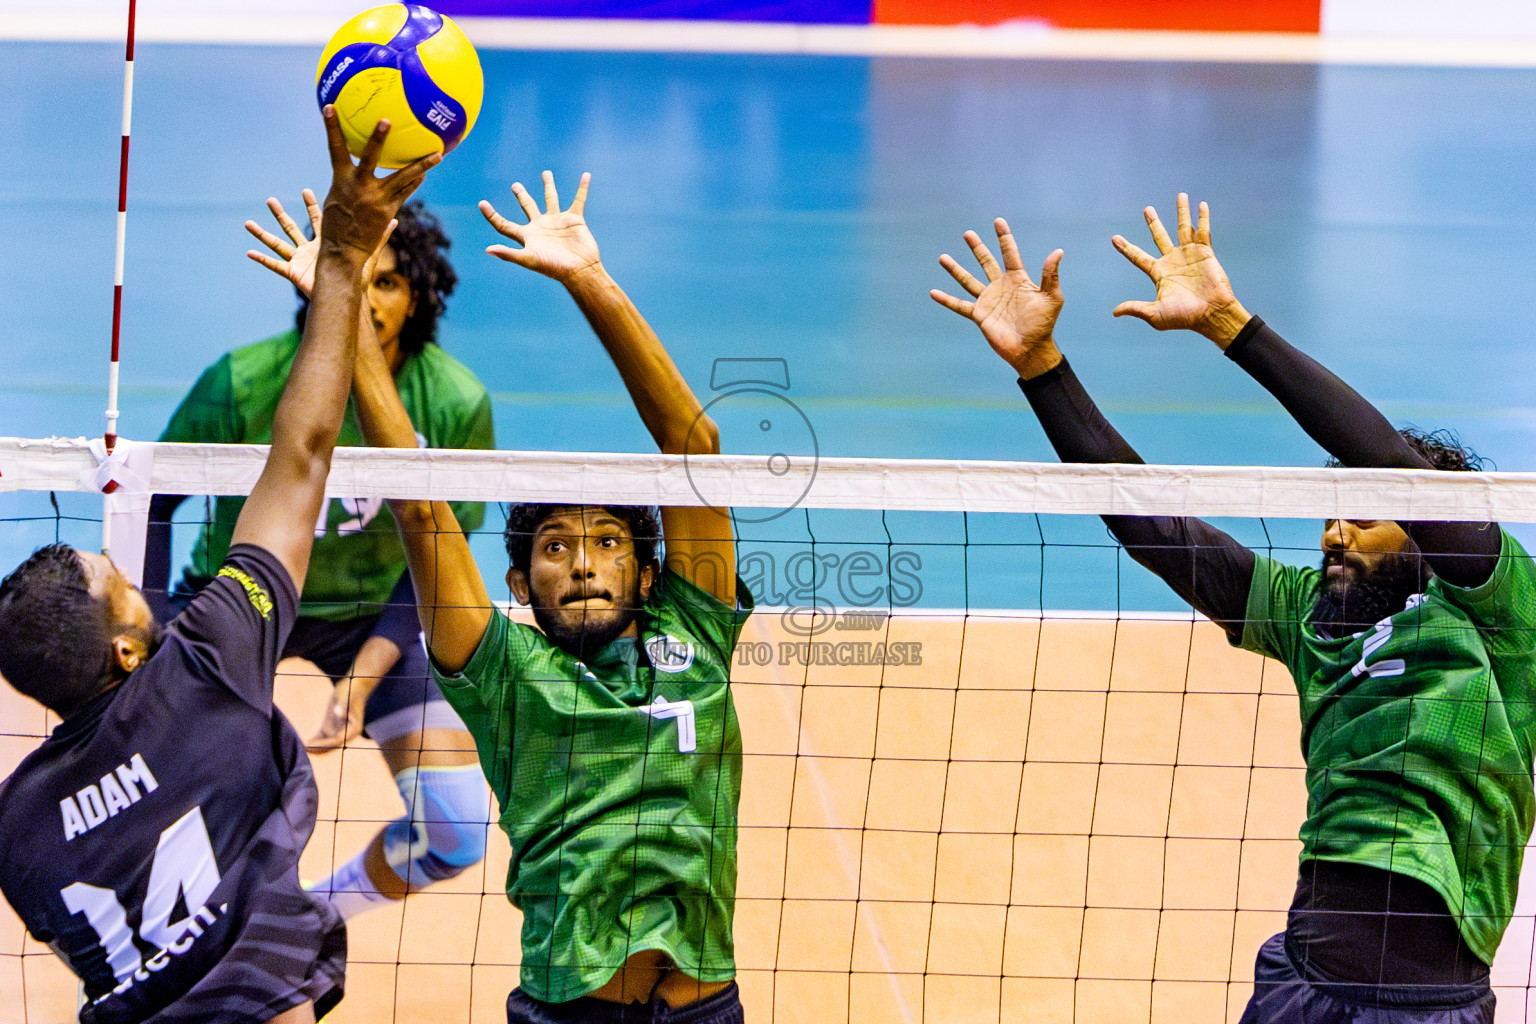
x=153, y=839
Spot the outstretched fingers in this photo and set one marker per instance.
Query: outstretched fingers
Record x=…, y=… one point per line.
x=1159, y=233
x=949, y=302
x=373, y=260
x=1138, y=256
x=579, y=204
x=368, y=159
x=551, y=194
x=389, y=229
x=962, y=276
x=313, y=206
x=408, y=178
x=270, y=240
x=288, y=224
x=983, y=256
x=1140, y=310
x=1050, y=274
x=511, y=255
x=1010, y=248
x=525, y=200
x=500, y=223
x=272, y=263
x=1203, y=229
x=334, y=140
x=1186, y=230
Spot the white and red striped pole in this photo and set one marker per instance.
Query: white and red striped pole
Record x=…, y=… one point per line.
x=110, y=436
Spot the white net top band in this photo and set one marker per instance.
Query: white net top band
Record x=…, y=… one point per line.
x=925, y=485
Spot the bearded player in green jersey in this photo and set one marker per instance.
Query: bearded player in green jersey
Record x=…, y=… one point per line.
x=357, y=620
x=1413, y=649
x=608, y=734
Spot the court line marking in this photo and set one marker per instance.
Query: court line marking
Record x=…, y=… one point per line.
x=852, y=866
x=1010, y=41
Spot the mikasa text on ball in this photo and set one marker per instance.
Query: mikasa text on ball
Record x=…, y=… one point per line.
x=407, y=64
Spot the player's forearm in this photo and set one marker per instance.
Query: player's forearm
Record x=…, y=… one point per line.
x=1332, y=413
x=308, y=416
x=385, y=423
x=374, y=660
x=451, y=599
x=1072, y=421
x=662, y=397
x=1351, y=429
x=1202, y=564
x=380, y=413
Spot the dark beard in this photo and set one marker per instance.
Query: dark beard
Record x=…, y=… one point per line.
x=1359, y=601
x=585, y=639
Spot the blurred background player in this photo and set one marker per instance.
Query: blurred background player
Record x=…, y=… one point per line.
x=153, y=839
x=358, y=620
x=1411, y=648
x=608, y=734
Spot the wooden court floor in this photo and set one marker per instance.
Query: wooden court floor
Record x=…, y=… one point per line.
x=1059, y=821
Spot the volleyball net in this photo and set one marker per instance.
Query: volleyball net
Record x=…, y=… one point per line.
x=994, y=770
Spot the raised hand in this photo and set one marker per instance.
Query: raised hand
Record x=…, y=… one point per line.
x=554, y=243
x=1016, y=316
x=360, y=206
x=295, y=258
x=1193, y=292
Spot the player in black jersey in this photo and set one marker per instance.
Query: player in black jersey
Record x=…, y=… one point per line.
x=153, y=839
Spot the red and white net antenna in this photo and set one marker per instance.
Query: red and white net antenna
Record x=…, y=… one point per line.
x=110, y=436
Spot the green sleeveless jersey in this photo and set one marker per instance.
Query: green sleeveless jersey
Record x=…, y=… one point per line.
x=1417, y=732
x=359, y=559
x=618, y=780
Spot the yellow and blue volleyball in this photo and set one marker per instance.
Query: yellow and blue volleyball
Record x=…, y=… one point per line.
x=409, y=64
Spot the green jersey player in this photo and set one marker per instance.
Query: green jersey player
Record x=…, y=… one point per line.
x=608, y=733
x=1413, y=650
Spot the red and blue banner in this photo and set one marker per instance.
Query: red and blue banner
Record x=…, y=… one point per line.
x=1167, y=15
x=816, y=12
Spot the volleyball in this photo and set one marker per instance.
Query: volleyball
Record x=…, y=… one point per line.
x=406, y=63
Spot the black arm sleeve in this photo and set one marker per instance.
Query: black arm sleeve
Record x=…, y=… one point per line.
x=157, y=554
x=1351, y=430
x=1202, y=564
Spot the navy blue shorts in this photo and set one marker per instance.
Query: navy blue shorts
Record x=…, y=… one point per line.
x=333, y=645
x=724, y=1007
x=1286, y=993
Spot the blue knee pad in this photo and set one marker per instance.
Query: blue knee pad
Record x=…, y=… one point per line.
x=444, y=833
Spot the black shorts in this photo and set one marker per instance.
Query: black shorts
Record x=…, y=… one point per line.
x=333, y=645
x=724, y=1007
x=1286, y=992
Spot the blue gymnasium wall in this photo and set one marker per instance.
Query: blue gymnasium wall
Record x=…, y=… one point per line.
x=793, y=207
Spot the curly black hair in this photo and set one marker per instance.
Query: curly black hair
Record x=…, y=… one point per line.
x=58, y=637
x=419, y=243
x=523, y=521
x=1441, y=448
